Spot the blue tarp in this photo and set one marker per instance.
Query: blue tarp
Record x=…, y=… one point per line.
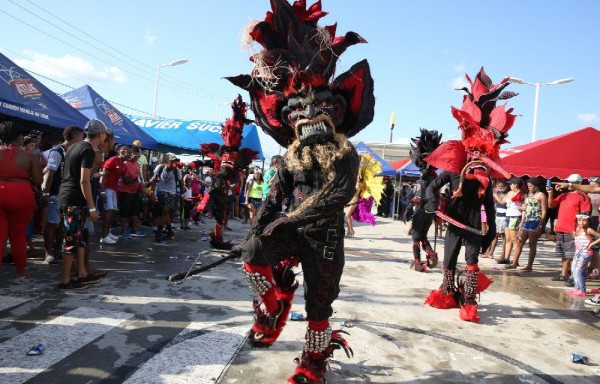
x=24, y=97
x=386, y=169
x=409, y=170
x=93, y=106
x=189, y=134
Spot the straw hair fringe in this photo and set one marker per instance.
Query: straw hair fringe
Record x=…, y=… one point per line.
x=302, y=159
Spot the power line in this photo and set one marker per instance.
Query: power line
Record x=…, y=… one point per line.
x=71, y=87
x=210, y=97
x=83, y=82
x=180, y=82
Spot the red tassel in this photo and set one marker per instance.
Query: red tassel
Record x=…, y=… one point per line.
x=438, y=299
x=483, y=282
x=469, y=313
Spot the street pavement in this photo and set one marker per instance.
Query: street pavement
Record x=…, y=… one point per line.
x=135, y=327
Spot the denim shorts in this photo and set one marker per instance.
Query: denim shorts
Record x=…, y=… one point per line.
x=256, y=202
x=53, y=210
x=531, y=226
x=111, y=200
x=512, y=222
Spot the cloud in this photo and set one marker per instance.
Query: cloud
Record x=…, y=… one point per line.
x=150, y=37
x=459, y=82
x=67, y=66
x=461, y=68
x=588, y=118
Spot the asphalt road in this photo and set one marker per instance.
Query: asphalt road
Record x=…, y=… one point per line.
x=135, y=327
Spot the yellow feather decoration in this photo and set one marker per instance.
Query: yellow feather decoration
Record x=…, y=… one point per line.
x=370, y=183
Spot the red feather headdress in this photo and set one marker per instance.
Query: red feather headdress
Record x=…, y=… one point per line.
x=484, y=127
x=232, y=134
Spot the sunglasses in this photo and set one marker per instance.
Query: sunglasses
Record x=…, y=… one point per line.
x=595, y=179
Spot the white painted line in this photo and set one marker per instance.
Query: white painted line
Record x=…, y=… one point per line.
x=11, y=301
x=199, y=359
x=61, y=337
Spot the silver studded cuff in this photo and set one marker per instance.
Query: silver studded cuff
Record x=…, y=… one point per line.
x=259, y=284
x=317, y=341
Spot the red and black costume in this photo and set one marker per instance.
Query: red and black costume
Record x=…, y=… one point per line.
x=296, y=100
x=227, y=159
x=422, y=147
x=468, y=166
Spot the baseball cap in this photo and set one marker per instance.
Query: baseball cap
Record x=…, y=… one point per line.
x=137, y=143
x=575, y=178
x=96, y=126
x=170, y=157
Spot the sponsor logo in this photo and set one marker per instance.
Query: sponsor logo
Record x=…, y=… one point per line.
x=19, y=81
x=73, y=101
x=25, y=88
x=108, y=110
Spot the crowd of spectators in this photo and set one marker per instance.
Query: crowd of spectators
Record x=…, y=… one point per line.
x=60, y=188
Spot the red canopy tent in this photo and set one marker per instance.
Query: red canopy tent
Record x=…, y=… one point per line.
x=399, y=163
x=559, y=156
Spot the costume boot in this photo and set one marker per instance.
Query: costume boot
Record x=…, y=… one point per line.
x=468, y=306
x=432, y=256
x=276, y=300
x=417, y=266
x=321, y=341
x=445, y=296
x=216, y=238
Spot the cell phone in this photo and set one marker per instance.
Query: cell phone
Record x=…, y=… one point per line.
x=548, y=184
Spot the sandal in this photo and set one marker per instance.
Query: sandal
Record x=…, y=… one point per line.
x=526, y=269
x=23, y=274
x=511, y=266
x=99, y=273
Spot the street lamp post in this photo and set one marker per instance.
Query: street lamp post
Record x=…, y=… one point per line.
x=537, y=96
x=171, y=64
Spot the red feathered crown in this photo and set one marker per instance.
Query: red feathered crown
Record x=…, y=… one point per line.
x=484, y=126
x=231, y=132
x=297, y=55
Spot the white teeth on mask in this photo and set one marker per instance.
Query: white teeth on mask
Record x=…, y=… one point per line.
x=311, y=128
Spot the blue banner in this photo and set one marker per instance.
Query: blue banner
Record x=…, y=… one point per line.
x=24, y=97
x=92, y=105
x=189, y=134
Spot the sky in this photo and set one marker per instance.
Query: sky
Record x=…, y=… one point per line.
x=418, y=51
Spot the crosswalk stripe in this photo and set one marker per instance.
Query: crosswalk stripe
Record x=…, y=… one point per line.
x=11, y=301
x=196, y=356
x=61, y=337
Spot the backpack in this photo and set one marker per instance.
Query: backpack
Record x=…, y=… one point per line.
x=59, y=171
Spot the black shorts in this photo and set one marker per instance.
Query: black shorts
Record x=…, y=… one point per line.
x=565, y=245
x=129, y=204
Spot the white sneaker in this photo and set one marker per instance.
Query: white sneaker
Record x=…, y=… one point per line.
x=114, y=237
x=108, y=240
